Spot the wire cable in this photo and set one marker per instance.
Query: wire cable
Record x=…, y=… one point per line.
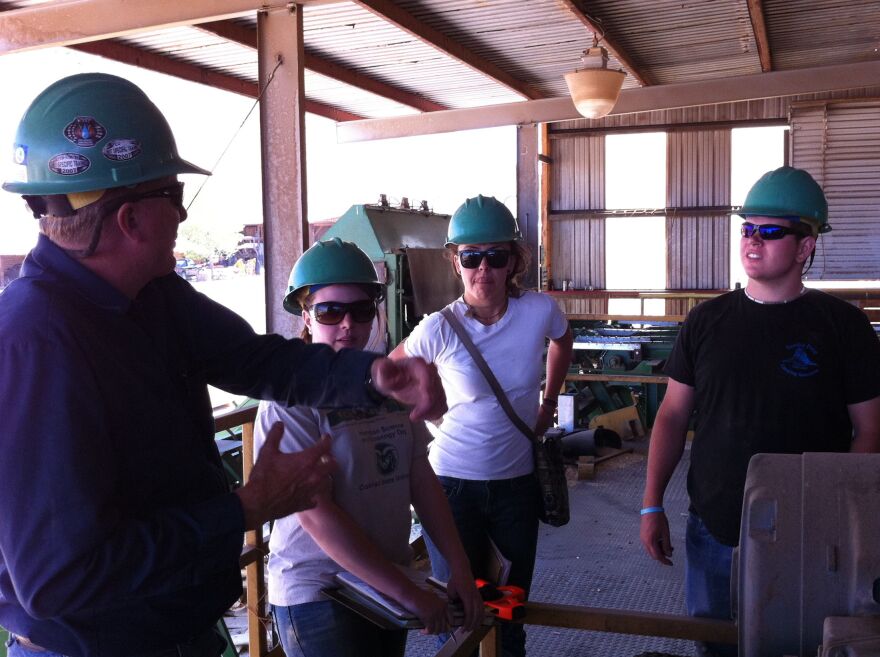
x=278, y=63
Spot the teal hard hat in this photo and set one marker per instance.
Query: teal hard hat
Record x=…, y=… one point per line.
x=482, y=220
x=331, y=262
x=788, y=193
x=93, y=131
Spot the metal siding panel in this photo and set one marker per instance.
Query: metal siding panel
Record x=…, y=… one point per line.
x=362, y=41
x=537, y=41
x=578, y=182
x=698, y=174
x=683, y=41
x=838, y=144
x=804, y=33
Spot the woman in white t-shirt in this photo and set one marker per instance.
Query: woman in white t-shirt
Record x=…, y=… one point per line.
x=483, y=461
x=361, y=523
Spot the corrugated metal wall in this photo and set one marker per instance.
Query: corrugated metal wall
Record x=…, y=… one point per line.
x=698, y=175
x=578, y=183
x=839, y=144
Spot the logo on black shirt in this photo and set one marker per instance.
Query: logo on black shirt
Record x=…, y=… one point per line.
x=800, y=362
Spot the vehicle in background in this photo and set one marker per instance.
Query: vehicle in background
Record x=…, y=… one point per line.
x=187, y=269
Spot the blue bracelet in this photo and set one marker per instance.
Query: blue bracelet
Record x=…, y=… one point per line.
x=652, y=509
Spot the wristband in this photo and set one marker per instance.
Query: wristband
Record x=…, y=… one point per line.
x=652, y=509
x=549, y=402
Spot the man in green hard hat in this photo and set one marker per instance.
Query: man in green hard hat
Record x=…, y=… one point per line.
x=119, y=536
x=773, y=368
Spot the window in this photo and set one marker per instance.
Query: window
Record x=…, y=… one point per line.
x=635, y=244
x=754, y=152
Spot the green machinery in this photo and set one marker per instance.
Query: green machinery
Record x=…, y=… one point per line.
x=618, y=362
x=406, y=245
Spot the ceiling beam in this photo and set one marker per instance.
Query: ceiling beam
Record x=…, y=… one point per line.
x=644, y=99
x=121, y=52
x=67, y=22
x=247, y=36
x=390, y=12
x=576, y=8
x=759, y=27
x=125, y=54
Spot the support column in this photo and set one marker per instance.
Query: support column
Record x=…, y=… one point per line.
x=527, y=194
x=283, y=149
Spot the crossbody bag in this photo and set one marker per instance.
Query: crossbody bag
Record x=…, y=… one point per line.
x=547, y=449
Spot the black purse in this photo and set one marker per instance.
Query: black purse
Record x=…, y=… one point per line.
x=546, y=449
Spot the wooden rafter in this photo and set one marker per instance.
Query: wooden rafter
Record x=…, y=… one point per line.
x=65, y=22
x=394, y=14
x=247, y=36
x=127, y=54
x=759, y=27
x=576, y=8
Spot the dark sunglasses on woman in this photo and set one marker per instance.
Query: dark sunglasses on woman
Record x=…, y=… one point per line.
x=471, y=258
x=769, y=232
x=333, y=312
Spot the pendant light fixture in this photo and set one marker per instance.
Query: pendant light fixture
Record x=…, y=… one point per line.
x=594, y=88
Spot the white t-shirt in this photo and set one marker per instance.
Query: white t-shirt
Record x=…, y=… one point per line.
x=374, y=449
x=476, y=439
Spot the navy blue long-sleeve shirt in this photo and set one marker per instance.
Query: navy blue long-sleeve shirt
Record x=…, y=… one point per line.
x=118, y=534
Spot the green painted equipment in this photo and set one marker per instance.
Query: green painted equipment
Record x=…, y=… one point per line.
x=788, y=193
x=90, y=132
x=482, y=220
x=406, y=247
x=329, y=262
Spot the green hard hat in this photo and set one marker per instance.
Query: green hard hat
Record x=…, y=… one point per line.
x=788, y=193
x=481, y=220
x=93, y=131
x=331, y=262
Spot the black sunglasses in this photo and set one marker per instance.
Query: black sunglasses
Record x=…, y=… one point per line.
x=471, y=258
x=333, y=312
x=173, y=192
x=59, y=205
x=769, y=232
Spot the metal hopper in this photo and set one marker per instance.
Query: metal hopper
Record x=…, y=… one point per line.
x=407, y=247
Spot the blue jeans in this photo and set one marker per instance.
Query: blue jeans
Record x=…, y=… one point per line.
x=707, y=580
x=505, y=510
x=327, y=629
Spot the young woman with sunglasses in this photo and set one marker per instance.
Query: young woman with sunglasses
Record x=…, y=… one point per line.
x=484, y=463
x=361, y=523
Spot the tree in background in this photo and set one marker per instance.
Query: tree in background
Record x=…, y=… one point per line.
x=197, y=242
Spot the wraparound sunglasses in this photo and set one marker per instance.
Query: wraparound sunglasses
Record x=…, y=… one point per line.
x=471, y=258
x=333, y=312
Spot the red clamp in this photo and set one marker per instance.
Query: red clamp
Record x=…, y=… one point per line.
x=506, y=602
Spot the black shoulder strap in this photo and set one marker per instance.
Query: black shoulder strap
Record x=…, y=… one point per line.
x=487, y=372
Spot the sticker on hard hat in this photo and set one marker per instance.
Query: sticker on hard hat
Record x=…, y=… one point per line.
x=84, y=131
x=121, y=150
x=19, y=155
x=69, y=164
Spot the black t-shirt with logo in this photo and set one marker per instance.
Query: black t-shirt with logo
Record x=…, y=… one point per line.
x=768, y=378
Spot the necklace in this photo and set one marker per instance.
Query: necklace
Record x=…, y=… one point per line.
x=801, y=293
x=488, y=318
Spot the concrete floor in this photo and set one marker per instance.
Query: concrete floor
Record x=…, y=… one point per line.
x=596, y=560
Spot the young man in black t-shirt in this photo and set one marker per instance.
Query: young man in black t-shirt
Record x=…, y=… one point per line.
x=772, y=368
